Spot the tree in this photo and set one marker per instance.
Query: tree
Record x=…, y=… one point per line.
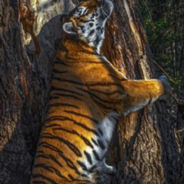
x=24, y=82
x=164, y=24
x=148, y=149
x=145, y=149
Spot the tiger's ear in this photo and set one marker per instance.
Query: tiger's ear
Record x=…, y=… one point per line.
x=69, y=28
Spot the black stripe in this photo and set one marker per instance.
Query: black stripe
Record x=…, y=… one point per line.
x=85, y=11
x=92, y=168
x=60, y=95
x=39, y=182
x=97, y=97
x=73, y=92
x=71, y=177
x=49, y=156
x=82, y=165
x=40, y=151
x=104, y=103
x=63, y=118
x=44, y=177
x=100, y=131
x=111, y=108
x=101, y=144
x=54, y=97
x=107, y=93
x=91, y=32
x=104, y=84
x=94, y=142
x=149, y=101
x=85, y=21
x=68, y=81
x=87, y=84
x=84, y=61
x=58, y=71
x=86, y=141
x=66, y=160
x=96, y=155
x=60, y=62
x=50, y=169
x=77, y=181
x=51, y=147
x=84, y=116
x=52, y=125
x=67, y=143
x=62, y=105
x=88, y=157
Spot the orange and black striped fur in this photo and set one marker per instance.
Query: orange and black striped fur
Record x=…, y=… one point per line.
x=87, y=97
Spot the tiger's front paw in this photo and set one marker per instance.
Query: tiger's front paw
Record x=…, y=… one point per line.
x=167, y=95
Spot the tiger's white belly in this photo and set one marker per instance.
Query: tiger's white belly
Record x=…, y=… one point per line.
x=105, y=130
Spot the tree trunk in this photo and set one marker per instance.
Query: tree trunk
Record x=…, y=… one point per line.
x=15, y=160
x=24, y=81
x=147, y=145
x=144, y=149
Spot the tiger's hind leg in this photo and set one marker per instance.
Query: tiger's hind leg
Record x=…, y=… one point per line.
x=105, y=173
x=107, y=168
x=99, y=173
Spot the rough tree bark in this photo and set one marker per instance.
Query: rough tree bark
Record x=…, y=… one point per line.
x=145, y=148
x=14, y=86
x=148, y=149
x=24, y=82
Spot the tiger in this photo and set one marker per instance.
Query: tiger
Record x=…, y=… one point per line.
x=87, y=97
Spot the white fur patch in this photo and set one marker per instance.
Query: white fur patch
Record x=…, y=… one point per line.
x=106, y=127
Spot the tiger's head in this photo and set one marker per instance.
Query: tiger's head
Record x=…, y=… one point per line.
x=87, y=21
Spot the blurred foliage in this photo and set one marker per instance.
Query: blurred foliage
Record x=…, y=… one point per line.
x=164, y=23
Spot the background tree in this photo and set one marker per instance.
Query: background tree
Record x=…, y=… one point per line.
x=164, y=23
x=145, y=149
x=148, y=148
